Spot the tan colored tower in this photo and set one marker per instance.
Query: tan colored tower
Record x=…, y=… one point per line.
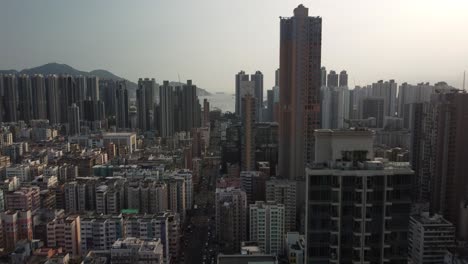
x=300, y=77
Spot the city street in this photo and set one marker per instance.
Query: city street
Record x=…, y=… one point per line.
x=198, y=243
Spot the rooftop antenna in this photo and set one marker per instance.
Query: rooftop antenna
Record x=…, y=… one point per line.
x=178, y=75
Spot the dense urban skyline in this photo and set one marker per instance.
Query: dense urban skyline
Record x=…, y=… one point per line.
x=146, y=40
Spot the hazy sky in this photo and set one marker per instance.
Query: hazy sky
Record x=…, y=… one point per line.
x=209, y=41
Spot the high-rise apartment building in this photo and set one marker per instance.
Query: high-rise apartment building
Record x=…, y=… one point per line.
x=284, y=192
x=166, y=110
x=253, y=86
x=257, y=78
x=248, y=136
x=92, y=88
x=146, y=103
x=267, y=226
x=25, y=98
x=10, y=98
x=335, y=107
x=343, y=82
x=98, y=232
x=444, y=155
x=240, y=78
x=15, y=226
x=299, y=104
x=74, y=126
x=332, y=79
x=253, y=183
x=231, y=217
x=373, y=107
x=65, y=232
x=323, y=76
x=24, y=198
x=429, y=237
x=52, y=96
x=122, y=120
x=39, y=97
x=357, y=207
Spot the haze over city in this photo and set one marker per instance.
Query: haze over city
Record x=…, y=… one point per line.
x=209, y=41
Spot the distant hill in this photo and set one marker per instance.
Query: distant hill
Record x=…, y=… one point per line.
x=57, y=68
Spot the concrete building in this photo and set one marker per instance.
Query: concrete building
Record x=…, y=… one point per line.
x=177, y=196
x=24, y=198
x=267, y=222
x=429, y=237
x=284, y=192
x=373, y=107
x=133, y=250
x=52, y=98
x=253, y=183
x=299, y=104
x=248, y=136
x=295, y=248
x=122, y=119
x=332, y=79
x=74, y=126
x=24, y=98
x=151, y=226
x=323, y=76
x=231, y=217
x=440, y=156
x=166, y=110
x=98, y=232
x=39, y=102
x=343, y=79
x=9, y=98
x=146, y=99
x=357, y=207
x=335, y=107
x=122, y=140
x=21, y=171
x=65, y=232
x=15, y=226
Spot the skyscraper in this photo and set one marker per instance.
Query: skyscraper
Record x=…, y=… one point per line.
x=300, y=56
x=145, y=103
x=24, y=98
x=121, y=119
x=248, y=137
x=332, y=79
x=206, y=113
x=257, y=78
x=39, y=99
x=343, y=79
x=10, y=98
x=52, y=97
x=92, y=88
x=240, y=77
x=444, y=155
x=254, y=86
x=73, y=120
x=166, y=98
x=323, y=76
x=277, y=75
x=373, y=107
x=190, y=105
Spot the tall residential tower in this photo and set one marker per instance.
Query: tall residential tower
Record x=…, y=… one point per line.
x=300, y=77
